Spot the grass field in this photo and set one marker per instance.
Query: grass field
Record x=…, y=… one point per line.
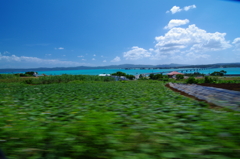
x=96, y=119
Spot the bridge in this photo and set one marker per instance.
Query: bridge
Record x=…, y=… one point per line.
x=181, y=71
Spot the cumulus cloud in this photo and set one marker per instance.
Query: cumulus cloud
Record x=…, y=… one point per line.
x=136, y=53
x=183, y=43
x=236, y=43
x=194, y=56
x=116, y=59
x=176, y=9
x=24, y=61
x=176, y=22
x=192, y=38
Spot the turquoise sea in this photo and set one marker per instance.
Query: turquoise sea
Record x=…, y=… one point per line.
x=133, y=71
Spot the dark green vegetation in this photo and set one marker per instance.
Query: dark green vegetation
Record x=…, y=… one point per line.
x=220, y=73
x=119, y=73
x=209, y=79
x=195, y=74
x=96, y=119
x=158, y=77
x=179, y=76
x=53, y=79
x=7, y=76
x=26, y=74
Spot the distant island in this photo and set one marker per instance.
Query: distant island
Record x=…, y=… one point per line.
x=124, y=66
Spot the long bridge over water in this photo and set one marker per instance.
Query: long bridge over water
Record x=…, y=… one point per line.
x=178, y=70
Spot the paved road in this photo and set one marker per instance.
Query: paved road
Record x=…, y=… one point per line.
x=221, y=97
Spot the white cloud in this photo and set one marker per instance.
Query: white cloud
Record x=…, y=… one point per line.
x=80, y=56
x=183, y=44
x=102, y=56
x=176, y=9
x=104, y=60
x=94, y=55
x=136, y=53
x=83, y=59
x=193, y=56
x=116, y=59
x=186, y=8
x=24, y=61
x=93, y=59
x=236, y=43
x=176, y=22
x=192, y=39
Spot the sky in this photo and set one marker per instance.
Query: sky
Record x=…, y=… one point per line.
x=69, y=33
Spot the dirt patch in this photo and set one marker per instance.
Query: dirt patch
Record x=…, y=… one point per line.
x=211, y=105
x=229, y=86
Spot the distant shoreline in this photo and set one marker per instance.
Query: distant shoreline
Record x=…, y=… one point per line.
x=230, y=71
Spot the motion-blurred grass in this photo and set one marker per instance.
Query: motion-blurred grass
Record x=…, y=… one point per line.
x=132, y=119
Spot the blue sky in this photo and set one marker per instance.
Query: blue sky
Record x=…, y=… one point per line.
x=66, y=33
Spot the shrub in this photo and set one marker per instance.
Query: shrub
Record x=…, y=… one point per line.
x=192, y=80
x=221, y=73
x=131, y=77
x=210, y=80
x=28, y=81
x=8, y=76
x=156, y=76
x=119, y=73
x=151, y=76
x=179, y=76
x=30, y=73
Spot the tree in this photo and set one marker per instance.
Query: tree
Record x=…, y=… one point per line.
x=151, y=76
x=30, y=73
x=131, y=77
x=140, y=76
x=221, y=73
x=158, y=76
x=179, y=76
x=224, y=72
x=119, y=73
x=192, y=80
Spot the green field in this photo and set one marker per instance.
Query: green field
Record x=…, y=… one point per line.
x=115, y=120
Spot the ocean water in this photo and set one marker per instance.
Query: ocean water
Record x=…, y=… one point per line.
x=134, y=71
